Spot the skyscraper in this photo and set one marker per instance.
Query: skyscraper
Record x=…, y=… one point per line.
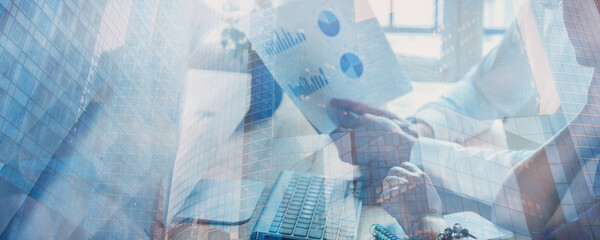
x=89, y=101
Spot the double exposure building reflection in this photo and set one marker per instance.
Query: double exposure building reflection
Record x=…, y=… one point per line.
x=89, y=98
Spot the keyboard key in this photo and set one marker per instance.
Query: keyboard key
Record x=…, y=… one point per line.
x=279, y=214
x=318, y=226
x=304, y=220
x=346, y=234
x=332, y=228
x=348, y=224
x=273, y=229
x=277, y=219
x=300, y=232
x=275, y=224
x=331, y=236
x=307, y=212
x=287, y=225
x=288, y=220
x=286, y=231
x=292, y=212
x=296, y=203
x=294, y=207
x=313, y=233
x=302, y=225
x=319, y=220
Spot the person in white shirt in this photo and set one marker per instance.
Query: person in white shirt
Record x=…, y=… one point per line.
x=552, y=193
x=500, y=86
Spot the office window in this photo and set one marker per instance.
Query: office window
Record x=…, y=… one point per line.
x=36, y=52
x=2, y=96
x=51, y=67
x=66, y=15
x=3, y=17
x=18, y=34
x=497, y=14
x=413, y=14
x=7, y=64
x=6, y=145
x=53, y=4
x=15, y=113
x=72, y=55
x=80, y=32
x=28, y=6
x=42, y=94
x=44, y=24
x=497, y=17
x=26, y=81
x=59, y=40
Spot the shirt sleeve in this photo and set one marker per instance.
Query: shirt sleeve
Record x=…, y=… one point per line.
x=474, y=172
x=500, y=86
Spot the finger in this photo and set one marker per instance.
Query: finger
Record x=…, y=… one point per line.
x=399, y=172
x=360, y=108
x=410, y=167
x=393, y=181
x=420, y=176
x=349, y=119
x=394, y=192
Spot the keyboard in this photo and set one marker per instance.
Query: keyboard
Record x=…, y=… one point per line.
x=307, y=206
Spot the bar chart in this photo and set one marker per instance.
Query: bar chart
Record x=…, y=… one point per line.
x=306, y=87
x=283, y=40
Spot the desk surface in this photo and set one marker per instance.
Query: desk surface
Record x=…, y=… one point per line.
x=296, y=146
x=370, y=216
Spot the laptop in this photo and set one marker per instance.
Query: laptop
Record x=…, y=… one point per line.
x=309, y=206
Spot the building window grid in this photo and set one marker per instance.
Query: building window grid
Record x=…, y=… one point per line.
x=437, y=21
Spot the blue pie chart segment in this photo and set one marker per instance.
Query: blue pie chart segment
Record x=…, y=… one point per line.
x=351, y=65
x=329, y=23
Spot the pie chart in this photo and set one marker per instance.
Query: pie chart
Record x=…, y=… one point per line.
x=351, y=65
x=329, y=23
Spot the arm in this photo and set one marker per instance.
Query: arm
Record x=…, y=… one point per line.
x=541, y=185
x=500, y=86
x=450, y=166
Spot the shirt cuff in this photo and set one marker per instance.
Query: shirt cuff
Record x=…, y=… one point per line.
x=449, y=125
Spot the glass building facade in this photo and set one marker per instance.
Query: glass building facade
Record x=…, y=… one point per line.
x=138, y=119
x=86, y=85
